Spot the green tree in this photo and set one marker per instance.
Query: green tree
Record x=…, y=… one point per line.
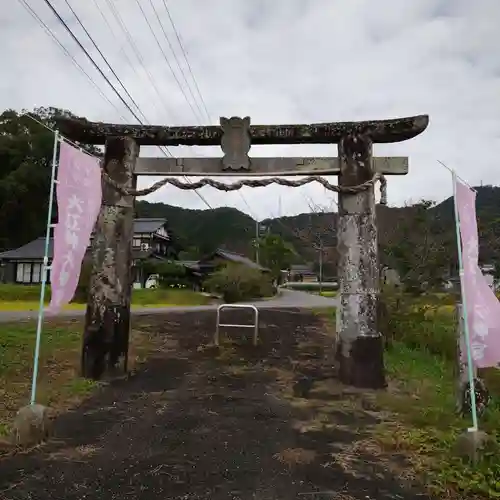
x=275, y=253
x=26, y=160
x=420, y=249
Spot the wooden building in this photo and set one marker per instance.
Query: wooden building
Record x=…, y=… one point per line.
x=152, y=240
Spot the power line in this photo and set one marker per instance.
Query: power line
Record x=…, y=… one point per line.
x=112, y=70
x=166, y=58
x=247, y=205
x=120, y=21
x=176, y=60
x=73, y=36
x=140, y=58
x=112, y=31
x=187, y=60
x=37, y=18
x=104, y=58
x=61, y=20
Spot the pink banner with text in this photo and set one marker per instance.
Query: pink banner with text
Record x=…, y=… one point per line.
x=79, y=194
x=483, y=308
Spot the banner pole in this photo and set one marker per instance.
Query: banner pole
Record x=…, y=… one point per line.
x=470, y=367
x=45, y=268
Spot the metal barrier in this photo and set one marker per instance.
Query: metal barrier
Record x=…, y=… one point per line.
x=255, y=326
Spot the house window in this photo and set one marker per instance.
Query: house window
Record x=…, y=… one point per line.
x=136, y=242
x=23, y=274
x=19, y=272
x=36, y=273
x=29, y=272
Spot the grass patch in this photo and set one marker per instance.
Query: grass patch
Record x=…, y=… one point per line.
x=26, y=298
x=59, y=385
x=30, y=305
x=168, y=297
x=420, y=364
x=428, y=426
x=311, y=286
x=329, y=317
x=59, y=355
x=421, y=403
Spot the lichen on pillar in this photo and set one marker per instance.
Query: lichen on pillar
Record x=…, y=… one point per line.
x=359, y=343
x=107, y=320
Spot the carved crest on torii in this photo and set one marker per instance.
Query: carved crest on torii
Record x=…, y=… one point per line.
x=235, y=143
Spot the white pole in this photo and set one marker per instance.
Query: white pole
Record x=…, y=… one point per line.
x=44, y=271
x=470, y=366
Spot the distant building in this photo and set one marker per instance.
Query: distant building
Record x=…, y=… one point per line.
x=302, y=272
x=390, y=277
x=201, y=269
x=152, y=240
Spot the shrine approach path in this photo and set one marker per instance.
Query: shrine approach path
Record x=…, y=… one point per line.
x=239, y=422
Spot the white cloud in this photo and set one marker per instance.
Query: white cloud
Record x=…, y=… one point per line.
x=285, y=61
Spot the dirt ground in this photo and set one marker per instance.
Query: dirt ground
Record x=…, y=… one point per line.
x=231, y=423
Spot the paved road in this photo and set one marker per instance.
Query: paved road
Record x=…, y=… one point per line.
x=287, y=299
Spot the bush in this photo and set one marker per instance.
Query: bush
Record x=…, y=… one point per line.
x=237, y=282
x=428, y=323
x=172, y=275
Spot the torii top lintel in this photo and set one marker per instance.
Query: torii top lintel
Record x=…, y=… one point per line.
x=380, y=131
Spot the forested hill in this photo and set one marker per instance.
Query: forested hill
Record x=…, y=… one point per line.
x=204, y=230
x=410, y=235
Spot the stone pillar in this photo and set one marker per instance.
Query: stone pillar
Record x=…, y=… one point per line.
x=107, y=320
x=360, y=347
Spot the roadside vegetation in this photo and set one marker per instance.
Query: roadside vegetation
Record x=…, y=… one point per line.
x=26, y=297
x=59, y=384
x=312, y=286
x=236, y=283
x=421, y=365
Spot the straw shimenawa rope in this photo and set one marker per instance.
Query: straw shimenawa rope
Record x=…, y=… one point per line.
x=252, y=183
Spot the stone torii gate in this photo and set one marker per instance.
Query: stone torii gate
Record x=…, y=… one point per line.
x=359, y=343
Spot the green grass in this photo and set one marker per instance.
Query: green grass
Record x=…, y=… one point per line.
x=420, y=365
x=422, y=421
x=26, y=298
x=427, y=426
x=310, y=286
x=168, y=297
x=59, y=384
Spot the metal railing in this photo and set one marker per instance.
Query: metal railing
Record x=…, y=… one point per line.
x=255, y=325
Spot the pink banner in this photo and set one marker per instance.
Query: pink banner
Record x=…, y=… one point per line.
x=79, y=196
x=483, y=308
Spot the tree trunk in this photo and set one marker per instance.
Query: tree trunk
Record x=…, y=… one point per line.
x=107, y=320
x=360, y=346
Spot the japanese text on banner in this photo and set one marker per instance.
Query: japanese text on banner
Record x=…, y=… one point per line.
x=483, y=308
x=79, y=194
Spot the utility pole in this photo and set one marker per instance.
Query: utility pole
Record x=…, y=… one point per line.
x=321, y=268
x=257, y=235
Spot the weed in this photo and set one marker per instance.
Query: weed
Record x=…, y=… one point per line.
x=59, y=385
x=26, y=298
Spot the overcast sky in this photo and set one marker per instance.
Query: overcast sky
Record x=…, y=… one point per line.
x=280, y=61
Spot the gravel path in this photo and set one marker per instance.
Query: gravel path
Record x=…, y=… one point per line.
x=200, y=423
